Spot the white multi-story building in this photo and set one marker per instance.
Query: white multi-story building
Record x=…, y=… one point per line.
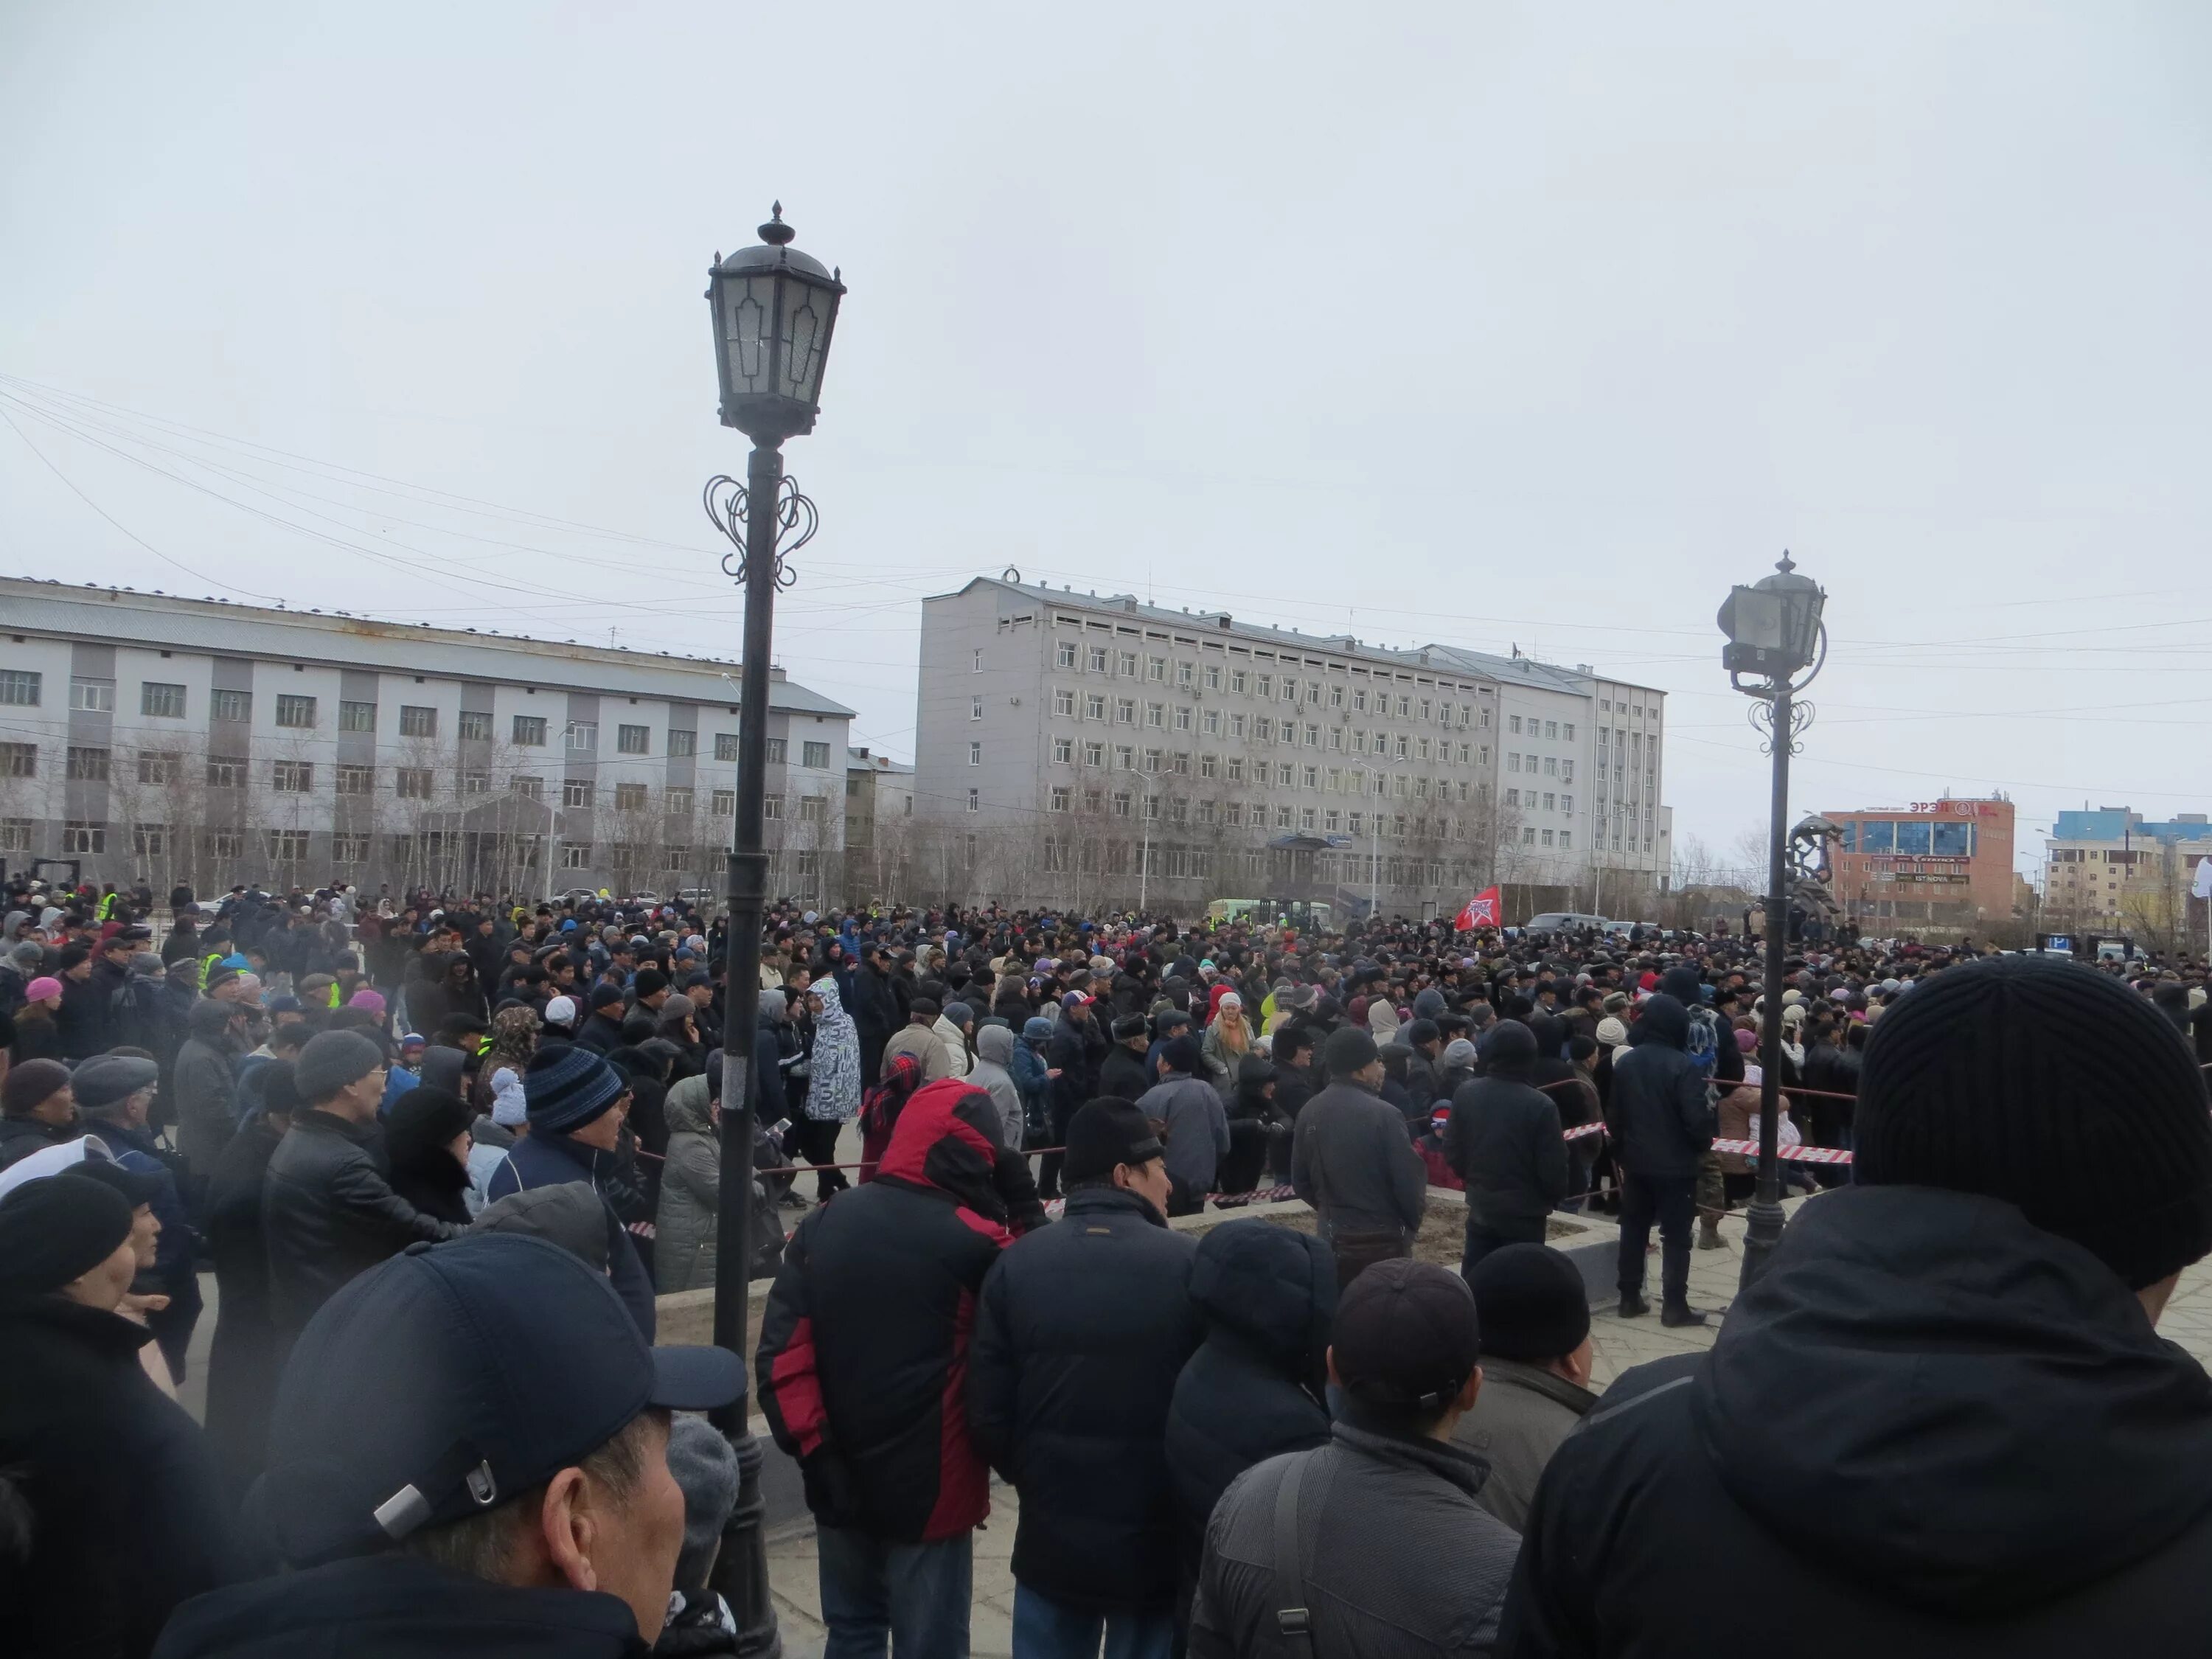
x=1075, y=750
x=163, y=740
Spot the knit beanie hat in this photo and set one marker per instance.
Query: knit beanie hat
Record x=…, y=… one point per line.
x=54, y=1231
x=1348, y=1051
x=1183, y=1053
x=1104, y=1134
x=705, y=1469
x=30, y=1084
x=331, y=1061
x=1459, y=1052
x=2055, y=1089
x=567, y=1087
x=1531, y=1302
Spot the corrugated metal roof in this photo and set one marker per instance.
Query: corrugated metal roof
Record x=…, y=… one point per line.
x=1437, y=659
x=117, y=616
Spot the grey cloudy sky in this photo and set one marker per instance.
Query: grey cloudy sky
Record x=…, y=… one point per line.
x=1491, y=324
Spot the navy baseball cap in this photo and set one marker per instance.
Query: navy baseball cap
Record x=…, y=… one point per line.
x=451, y=1378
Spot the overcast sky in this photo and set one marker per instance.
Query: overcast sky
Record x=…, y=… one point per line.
x=1490, y=324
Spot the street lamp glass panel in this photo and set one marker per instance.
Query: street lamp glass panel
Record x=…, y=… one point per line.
x=749, y=327
x=1802, y=622
x=805, y=332
x=1757, y=619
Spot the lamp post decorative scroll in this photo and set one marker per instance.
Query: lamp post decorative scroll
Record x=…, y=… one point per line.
x=1776, y=645
x=775, y=310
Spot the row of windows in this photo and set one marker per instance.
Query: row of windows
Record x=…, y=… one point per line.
x=1554, y=765
x=1267, y=687
x=1547, y=802
x=20, y=760
x=1939, y=838
x=1551, y=729
x=1214, y=723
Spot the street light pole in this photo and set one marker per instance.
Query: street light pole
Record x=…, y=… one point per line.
x=1775, y=632
x=774, y=310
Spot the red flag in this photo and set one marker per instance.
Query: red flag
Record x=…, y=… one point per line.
x=1481, y=912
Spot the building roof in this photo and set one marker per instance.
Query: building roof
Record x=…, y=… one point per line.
x=2119, y=824
x=121, y=616
x=1437, y=659
x=861, y=760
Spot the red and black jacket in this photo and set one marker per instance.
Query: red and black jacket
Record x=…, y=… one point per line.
x=863, y=1355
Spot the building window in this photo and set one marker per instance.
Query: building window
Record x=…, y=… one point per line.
x=1182, y=718
x=362, y=717
x=723, y=804
x=161, y=701
x=225, y=774
x=230, y=705
x=975, y=754
x=1566, y=804
x=84, y=835
x=20, y=688
x=576, y=793
x=1063, y=750
x=292, y=777
x=817, y=755
x=1125, y=711
x=1063, y=703
x=296, y=711
x=19, y=760
x=975, y=800
x=413, y=783
x=529, y=788
x=1156, y=669
x=287, y=846
x=576, y=855
x=632, y=740
x=1064, y=654
x=1059, y=798
x=476, y=725
x=771, y=805
x=418, y=721
x=223, y=843
x=90, y=764
x=629, y=797
x=812, y=810
x=681, y=745
x=349, y=849
x=356, y=780
x=1094, y=705
x=93, y=696
x=1095, y=659
x=158, y=766
x=580, y=734
x=976, y=666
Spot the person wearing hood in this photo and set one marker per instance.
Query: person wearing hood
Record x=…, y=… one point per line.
x=114, y=1512
x=206, y=1083
x=1034, y=1078
x=685, y=1225
x=862, y=1348
x=1455, y=1065
x=1663, y=1125
x=1253, y=1124
x=954, y=1022
x=834, y=1090
x=994, y=1050
x=1081, y=1333
x=427, y=1146
x=1256, y=1387
x=1943, y=1421
x=1505, y=1141
x=1197, y=1127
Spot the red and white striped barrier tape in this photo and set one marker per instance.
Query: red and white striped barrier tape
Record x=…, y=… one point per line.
x=1790, y=1154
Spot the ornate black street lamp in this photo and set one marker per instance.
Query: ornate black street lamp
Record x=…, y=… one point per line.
x=774, y=311
x=1775, y=637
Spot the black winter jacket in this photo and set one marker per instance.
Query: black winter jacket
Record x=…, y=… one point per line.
x=329, y=1215
x=1082, y=1330
x=1930, y=1429
x=1503, y=1139
x=395, y=1606
x=1255, y=1387
x=126, y=1519
x=865, y=1340
x=1122, y=1074
x=245, y=1357
x=1658, y=1110
x=1077, y=1051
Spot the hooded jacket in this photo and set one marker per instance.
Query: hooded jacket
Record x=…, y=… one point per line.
x=690, y=1193
x=1930, y=1428
x=1255, y=1387
x=994, y=1049
x=1083, y=1329
x=1658, y=1112
x=545, y=1159
x=864, y=1346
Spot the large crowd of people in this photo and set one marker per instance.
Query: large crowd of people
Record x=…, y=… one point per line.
x=439, y=1155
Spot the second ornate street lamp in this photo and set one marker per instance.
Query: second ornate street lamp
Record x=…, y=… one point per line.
x=774, y=311
x=1776, y=637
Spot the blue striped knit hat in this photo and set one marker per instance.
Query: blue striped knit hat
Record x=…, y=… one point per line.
x=566, y=1087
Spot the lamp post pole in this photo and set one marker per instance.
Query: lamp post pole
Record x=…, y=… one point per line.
x=1775, y=633
x=774, y=311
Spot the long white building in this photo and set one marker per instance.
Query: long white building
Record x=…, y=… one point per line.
x=1079, y=749
x=156, y=739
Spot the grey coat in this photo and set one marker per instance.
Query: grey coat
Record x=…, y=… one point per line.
x=1519, y=1419
x=995, y=1046
x=1398, y=1558
x=207, y=1102
x=1351, y=1160
x=1198, y=1128
x=690, y=1184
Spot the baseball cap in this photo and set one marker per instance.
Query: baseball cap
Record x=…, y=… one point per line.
x=1406, y=1339
x=452, y=1377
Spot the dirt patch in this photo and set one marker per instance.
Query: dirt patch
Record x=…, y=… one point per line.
x=1442, y=1237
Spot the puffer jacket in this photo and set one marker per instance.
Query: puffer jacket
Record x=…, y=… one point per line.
x=1658, y=1111
x=1082, y=1330
x=690, y=1188
x=864, y=1346
x=329, y=1215
x=1255, y=1387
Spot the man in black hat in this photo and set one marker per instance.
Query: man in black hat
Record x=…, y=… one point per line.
x=1942, y=1421
x=1351, y=1159
x=1122, y=1075
x=469, y=1454
x=1505, y=1141
x=1374, y=1544
x=1536, y=1320
x=1081, y=1333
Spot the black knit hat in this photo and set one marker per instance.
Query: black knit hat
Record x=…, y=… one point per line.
x=1104, y=1134
x=1348, y=1051
x=52, y=1231
x=1532, y=1303
x=2051, y=1086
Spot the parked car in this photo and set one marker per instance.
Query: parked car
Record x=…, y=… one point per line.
x=1560, y=922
